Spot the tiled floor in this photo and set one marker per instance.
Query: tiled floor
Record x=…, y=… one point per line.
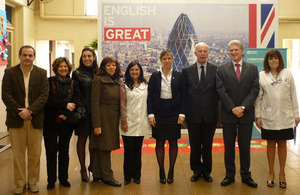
x=150, y=179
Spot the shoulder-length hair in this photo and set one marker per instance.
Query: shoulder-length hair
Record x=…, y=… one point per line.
x=273, y=53
x=95, y=64
x=60, y=60
x=128, y=79
x=110, y=59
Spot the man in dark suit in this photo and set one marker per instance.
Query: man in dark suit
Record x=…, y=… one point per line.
x=238, y=87
x=25, y=91
x=201, y=112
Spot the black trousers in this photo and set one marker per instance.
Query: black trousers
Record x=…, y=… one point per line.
x=132, y=157
x=201, y=138
x=244, y=133
x=57, y=139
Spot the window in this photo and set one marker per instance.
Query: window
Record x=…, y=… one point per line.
x=91, y=7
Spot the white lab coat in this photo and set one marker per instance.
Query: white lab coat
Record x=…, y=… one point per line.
x=277, y=103
x=136, y=111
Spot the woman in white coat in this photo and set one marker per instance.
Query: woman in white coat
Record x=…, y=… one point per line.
x=134, y=120
x=276, y=111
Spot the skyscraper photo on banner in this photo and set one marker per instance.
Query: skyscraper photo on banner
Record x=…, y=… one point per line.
x=140, y=31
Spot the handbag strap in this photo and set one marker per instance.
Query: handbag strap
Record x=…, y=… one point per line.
x=70, y=92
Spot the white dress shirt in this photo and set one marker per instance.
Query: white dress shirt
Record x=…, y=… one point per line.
x=166, y=91
x=136, y=111
x=277, y=104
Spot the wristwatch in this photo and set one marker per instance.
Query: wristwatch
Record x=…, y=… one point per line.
x=243, y=107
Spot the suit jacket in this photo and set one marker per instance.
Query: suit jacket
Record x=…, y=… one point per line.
x=233, y=93
x=178, y=92
x=13, y=95
x=202, y=103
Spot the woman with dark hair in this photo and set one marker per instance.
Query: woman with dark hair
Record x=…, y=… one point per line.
x=276, y=111
x=105, y=104
x=166, y=111
x=134, y=120
x=63, y=98
x=83, y=77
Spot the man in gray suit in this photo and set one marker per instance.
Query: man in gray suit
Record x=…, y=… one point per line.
x=25, y=90
x=238, y=87
x=201, y=112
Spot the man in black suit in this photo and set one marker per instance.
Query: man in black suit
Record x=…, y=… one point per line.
x=201, y=112
x=238, y=87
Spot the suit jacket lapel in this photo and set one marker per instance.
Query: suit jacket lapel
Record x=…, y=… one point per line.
x=195, y=74
x=232, y=71
x=19, y=77
x=159, y=81
x=244, y=71
x=208, y=75
x=31, y=79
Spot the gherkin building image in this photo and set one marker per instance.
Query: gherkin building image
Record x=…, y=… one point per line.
x=182, y=40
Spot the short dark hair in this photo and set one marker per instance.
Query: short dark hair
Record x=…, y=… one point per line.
x=95, y=64
x=165, y=52
x=273, y=53
x=128, y=79
x=60, y=60
x=26, y=46
x=110, y=59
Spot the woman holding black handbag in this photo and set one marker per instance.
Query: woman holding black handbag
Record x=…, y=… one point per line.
x=63, y=100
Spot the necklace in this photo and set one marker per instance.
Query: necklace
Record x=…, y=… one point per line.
x=275, y=76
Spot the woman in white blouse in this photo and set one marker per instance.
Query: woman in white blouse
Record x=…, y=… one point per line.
x=134, y=120
x=276, y=111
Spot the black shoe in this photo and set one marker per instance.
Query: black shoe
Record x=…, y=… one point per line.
x=170, y=180
x=137, y=181
x=84, y=176
x=227, y=180
x=96, y=179
x=65, y=183
x=162, y=176
x=207, y=177
x=50, y=186
x=127, y=181
x=195, y=177
x=112, y=182
x=249, y=182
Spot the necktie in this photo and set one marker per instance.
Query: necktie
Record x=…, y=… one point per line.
x=238, y=72
x=202, y=78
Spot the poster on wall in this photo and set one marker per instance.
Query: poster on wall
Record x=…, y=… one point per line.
x=3, y=39
x=140, y=30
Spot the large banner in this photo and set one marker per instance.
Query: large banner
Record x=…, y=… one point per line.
x=140, y=30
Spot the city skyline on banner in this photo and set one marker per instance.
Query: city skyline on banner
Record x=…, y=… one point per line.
x=141, y=31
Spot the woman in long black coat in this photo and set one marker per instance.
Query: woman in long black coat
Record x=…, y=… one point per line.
x=83, y=77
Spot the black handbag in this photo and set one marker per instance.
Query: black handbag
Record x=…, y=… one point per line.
x=78, y=115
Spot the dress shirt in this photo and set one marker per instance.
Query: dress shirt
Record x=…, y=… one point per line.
x=166, y=91
x=136, y=111
x=26, y=85
x=200, y=70
x=235, y=67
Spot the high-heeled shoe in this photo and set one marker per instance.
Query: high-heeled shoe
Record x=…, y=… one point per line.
x=84, y=176
x=162, y=176
x=270, y=183
x=90, y=171
x=170, y=177
x=282, y=184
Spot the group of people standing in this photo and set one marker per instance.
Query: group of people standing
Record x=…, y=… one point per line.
x=159, y=106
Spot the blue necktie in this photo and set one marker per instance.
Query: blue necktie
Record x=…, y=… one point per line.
x=202, y=79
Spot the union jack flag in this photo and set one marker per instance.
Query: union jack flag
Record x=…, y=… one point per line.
x=263, y=26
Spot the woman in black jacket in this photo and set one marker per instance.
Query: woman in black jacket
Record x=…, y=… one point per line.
x=63, y=99
x=166, y=111
x=83, y=77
